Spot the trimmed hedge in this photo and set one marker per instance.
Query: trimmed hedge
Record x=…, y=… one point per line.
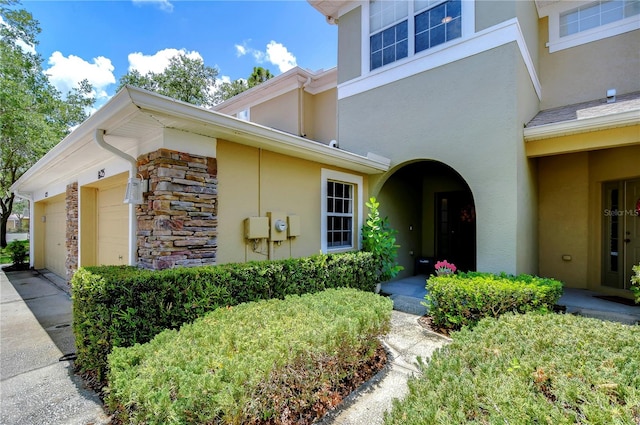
x=463, y=299
x=529, y=369
x=122, y=305
x=273, y=361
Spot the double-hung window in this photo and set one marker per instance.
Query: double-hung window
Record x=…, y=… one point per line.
x=339, y=214
x=399, y=29
x=596, y=14
x=341, y=205
x=573, y=23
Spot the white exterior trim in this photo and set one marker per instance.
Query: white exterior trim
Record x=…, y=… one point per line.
x=136, y=106
x=326, y=175
x=490, y=38
x=557, y=43
x=566, y=128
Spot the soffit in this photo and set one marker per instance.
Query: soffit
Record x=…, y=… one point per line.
x=135, y=119
x=329, y=8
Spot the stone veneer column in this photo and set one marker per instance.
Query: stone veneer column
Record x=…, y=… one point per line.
x=177, y=226
x=71, y=262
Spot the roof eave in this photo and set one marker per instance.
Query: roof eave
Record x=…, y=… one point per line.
x=256, y=135
x=131, y=101
x=118, y=109
x=584, y=125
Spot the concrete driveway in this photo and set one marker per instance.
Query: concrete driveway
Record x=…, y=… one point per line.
x=35, y=331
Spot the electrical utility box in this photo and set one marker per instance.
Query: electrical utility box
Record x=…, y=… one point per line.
x=256, y=228
x=278, y=225
x=294, y=226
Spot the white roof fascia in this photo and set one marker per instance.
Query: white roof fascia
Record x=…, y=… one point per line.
x=131, y=101
x=256, y=135
x=277, y=86
x=117, y=110
x=584, y=125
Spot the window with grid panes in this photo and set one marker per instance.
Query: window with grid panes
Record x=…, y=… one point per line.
x=393, y=34
x=597, y=14
x=339, y=214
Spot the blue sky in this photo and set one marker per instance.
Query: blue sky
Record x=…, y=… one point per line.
x=102, y=40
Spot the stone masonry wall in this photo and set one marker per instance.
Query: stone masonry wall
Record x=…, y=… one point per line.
x=71, y=199
x=177, y=226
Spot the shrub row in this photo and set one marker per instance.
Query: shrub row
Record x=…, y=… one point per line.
x=273, y=361
x=121, y=305
x=463, y=299
x=530, y=369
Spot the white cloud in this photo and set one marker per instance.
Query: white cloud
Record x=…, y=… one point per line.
x=276, y=54
x=164, y=5
x=241, y=50
x=157, y=62
x=66, y=72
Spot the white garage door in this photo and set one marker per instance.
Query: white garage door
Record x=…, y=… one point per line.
x=113, y=226
x=55, y=229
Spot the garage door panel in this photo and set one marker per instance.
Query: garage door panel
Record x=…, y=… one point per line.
x=113, y=226
x=55, y=229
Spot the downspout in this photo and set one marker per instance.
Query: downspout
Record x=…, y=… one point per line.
x=301, y=118
x=133, y=219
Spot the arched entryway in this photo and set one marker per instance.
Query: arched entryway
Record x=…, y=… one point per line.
x=432, y=208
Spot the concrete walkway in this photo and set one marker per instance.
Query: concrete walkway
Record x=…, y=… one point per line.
x=35, y=331
x=406, y=342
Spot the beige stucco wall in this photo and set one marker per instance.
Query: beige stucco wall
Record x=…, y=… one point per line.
x=492, y=12
x=571, y=214
x=281, y=113
x=563, y=210
x=587, y=71
x=253, y=182
x=350, y=45
x=526, y=104
x=321, y=115
x=470, y=121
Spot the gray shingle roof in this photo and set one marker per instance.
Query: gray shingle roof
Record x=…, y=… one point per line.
x=595, y=108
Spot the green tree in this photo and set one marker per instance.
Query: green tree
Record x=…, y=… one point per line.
x=233, y=88
x=34, y=116
x=380, y=239
x=186, y=79
x=259, y=75
x=228, y=90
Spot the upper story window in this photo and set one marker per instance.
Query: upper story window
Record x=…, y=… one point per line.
x=243, y=115
x=398, y=29
x=597, y=14
x=437, y=24
x=573, y=23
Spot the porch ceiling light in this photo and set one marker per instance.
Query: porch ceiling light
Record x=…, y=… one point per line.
x=134, y=191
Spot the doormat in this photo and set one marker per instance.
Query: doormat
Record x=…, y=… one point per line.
x=618, y=300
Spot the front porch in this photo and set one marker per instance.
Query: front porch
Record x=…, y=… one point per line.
x=408, y=294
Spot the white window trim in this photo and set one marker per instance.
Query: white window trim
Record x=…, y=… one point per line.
x=557, y=43
x=468, y=28
x=357, y=181
x=461, y=48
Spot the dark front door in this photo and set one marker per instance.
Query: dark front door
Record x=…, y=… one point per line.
x=456, y=229
x=621, y=248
